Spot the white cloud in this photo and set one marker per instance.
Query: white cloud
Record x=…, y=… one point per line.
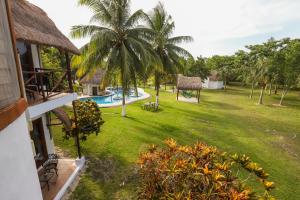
x=210, y=22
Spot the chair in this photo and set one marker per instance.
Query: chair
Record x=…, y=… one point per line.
x=51, y=164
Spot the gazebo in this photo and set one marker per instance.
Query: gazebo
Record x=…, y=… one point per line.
x=92, y=82
x=189, y=83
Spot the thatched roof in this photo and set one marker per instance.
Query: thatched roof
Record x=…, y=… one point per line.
x=188, y=83
x=32, y=24
x=215, y=76
x=95, y=78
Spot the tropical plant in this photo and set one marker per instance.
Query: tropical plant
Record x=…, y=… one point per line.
x=165, y=45
x=117, y=41
x=197, y=172
x=89, y=120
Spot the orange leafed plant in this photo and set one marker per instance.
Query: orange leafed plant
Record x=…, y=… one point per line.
x=196, y=172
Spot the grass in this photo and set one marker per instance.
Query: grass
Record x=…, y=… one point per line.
x=229, y=120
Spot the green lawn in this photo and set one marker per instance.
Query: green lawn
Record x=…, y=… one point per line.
x=270, y=135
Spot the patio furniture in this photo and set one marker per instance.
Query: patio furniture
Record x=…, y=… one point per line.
x=51, y=164
x=150, y=106
x=146, y=106
x=45, y=179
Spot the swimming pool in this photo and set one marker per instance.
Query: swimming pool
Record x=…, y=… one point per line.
x=115, y=99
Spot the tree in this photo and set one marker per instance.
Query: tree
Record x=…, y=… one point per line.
x=197, y=68
x=164, y=45
x=289, y=60
x=263, y=57
x=224, y=65
x=246, y=69
x=117, y=41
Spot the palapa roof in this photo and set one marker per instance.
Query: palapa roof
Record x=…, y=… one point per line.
x=188, y=83
x=95, y=78
x=32, y=24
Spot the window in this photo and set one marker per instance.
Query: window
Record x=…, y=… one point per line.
x=9, y=87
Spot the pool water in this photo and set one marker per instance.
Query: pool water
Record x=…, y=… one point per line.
x=114, y=98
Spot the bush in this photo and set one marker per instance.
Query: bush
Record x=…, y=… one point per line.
x=198, y=172
x=89, y=120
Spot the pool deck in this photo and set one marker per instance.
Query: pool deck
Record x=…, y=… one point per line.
x=116, y=104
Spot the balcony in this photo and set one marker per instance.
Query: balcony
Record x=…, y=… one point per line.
x=44, y=84
x=47, y=89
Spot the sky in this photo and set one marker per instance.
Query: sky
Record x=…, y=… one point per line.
x=219, y=27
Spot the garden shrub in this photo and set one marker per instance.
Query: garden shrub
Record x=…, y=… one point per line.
x=89, y=120
x=197, y=172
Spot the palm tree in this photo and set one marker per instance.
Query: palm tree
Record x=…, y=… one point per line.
x=117, y=41
x=164, y=45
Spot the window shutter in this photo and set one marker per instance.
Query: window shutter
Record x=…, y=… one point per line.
x=9, y=87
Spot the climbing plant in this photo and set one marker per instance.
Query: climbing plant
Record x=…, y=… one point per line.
x=197, y=172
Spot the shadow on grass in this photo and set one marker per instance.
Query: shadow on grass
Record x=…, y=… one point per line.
x=109, y=173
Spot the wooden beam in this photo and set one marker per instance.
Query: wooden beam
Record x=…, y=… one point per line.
x=76, y=130
x=69, y=74
x=12, y=112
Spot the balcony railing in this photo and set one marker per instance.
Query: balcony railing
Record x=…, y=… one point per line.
x=42, y=84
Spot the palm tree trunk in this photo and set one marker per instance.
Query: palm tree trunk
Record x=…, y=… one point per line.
x=260, y=101
x=270, y=89
x=157, y=87
x=157, y=96
x=285, y=91
x=252, y=90
x=123, y=103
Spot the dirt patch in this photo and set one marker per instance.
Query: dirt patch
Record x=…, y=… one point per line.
x=61, y=153
x=130, y=176
x=284, y=142
x=102, y=170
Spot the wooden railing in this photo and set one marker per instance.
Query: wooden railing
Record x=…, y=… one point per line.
x=42, y=84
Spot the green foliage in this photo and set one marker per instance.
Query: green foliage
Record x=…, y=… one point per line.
x=52, y=58
x=118, y=42
x=165, y=46
x=89, y=120
x=230, y=121
x=77, y=88
x=196, y=67
x=224, y=65
x=196, y=172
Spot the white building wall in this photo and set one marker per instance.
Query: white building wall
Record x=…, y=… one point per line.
x=18, y=173
x=214, y=85
x=88, y=89
x=48, y=139
x=35, y=56
x=36, y=110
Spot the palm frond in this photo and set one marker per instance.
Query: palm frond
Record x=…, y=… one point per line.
x=180, y=39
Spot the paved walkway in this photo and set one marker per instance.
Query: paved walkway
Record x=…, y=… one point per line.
x=188, y=100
